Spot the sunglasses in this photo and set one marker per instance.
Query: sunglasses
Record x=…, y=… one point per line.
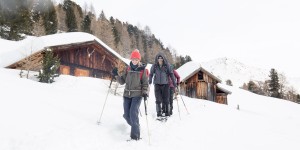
x=160, y=58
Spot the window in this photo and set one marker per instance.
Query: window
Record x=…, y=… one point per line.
x=200, y=75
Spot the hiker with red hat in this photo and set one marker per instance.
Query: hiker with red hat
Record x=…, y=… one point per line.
x=135, y=78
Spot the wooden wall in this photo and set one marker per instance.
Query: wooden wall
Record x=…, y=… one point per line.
x=86, y=60
x=203, y=87
x=222, y=98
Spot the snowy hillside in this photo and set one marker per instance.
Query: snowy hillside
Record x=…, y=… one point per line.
x=234, y=70
x=63, y=116
x=239, y=73
x=295, y=82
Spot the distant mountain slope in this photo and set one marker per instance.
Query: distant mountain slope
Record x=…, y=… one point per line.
x=239, y=73
x=295, y=82
x=234, y=70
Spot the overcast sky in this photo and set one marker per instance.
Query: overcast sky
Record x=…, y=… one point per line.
x=263, y=33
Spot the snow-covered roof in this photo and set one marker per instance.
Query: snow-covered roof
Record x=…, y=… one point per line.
x=220, y=87
x=190, y=68
x=17, y=50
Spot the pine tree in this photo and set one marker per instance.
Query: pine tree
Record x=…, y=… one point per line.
x=102, y=16
x=24, y=18
x=147, y=40
x=86, y=24
x=251, y=86
x=70, y=16
x=188, y=58
x=298, y=98
x=130, y=29
x=102, y=29
x=3, y=34
x=15, y=19
x=182, y=60
x=50, y=18
x=144, y=41
x=115, y=31
x=274, y=84
x=50, y=67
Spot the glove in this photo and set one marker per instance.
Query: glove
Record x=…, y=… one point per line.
x=176, y=91
x=115, y=72
x=145, y=95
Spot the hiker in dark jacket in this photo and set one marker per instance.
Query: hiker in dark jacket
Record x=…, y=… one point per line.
x=135, y=77
x=161, y=72
x=172, y=88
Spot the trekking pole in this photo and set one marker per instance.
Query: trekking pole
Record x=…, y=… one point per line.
x=140, y=112
x=147, y=119
x=183, y=102
x=178, y=106
x=99, y=120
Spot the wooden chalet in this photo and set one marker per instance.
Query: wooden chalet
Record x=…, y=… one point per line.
x=87, y=57
x=197, y=82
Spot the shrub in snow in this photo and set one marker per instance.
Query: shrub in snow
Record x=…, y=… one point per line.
x=50, y=67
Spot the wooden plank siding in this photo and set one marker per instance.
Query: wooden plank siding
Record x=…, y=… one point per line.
x=91, y=57
x=64, y=69
x=32, y=62
x=222, y=98
x=202, y=90
x=82, y=72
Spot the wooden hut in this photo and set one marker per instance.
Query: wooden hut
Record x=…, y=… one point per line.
x=197, y=82
x=87, y=56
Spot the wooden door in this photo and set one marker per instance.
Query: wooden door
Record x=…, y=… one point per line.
x=210, y=92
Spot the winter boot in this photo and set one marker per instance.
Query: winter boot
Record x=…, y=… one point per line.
x=168, y=110
x=163, y=109
x=171, y=109
x=158, y=110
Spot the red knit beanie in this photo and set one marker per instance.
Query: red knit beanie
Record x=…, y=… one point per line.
x=135, y=54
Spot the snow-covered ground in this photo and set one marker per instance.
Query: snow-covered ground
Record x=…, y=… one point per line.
x=63, y=116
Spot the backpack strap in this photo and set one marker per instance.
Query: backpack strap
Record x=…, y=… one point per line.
x=141, y=72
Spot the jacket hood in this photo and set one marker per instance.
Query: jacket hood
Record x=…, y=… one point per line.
x=163, y=56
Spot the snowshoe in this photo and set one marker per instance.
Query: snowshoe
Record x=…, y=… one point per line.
x=162, y=118
x=133, y=139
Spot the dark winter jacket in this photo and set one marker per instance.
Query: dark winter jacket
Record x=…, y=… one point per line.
x=135, y=84
x=161, y=73
x=177, y=79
